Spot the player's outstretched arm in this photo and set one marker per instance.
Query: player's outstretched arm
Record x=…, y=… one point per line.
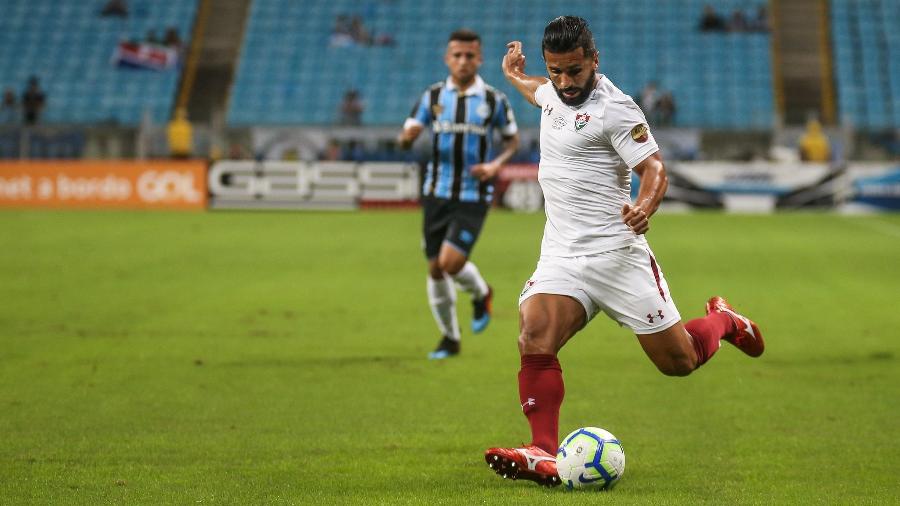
x=514, y=70
x=654, y=183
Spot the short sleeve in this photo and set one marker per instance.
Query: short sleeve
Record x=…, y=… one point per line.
x=626, y=128
x=504, y=118
x=421, y=112
x=540, y=94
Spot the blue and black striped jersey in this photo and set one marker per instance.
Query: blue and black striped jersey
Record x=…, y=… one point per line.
x=463, y=127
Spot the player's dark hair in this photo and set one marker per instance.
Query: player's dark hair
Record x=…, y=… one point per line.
x=568, y=33
x=465, y=35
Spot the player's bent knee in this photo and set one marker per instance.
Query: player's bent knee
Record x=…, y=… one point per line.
x=677, y=366
x=451, y=266
x=535, y=340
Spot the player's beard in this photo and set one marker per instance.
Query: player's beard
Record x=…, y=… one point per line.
x=582, y=96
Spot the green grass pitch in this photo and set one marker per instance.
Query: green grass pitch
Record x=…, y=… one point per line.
x=279, y=358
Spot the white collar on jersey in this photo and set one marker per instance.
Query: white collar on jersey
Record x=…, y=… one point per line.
x=477, y=88
x=596, y=91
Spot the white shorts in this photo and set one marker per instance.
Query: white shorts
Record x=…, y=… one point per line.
x=627, y=284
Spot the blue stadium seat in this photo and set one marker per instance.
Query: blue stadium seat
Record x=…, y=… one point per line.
x=633, y=50
x=866, y=48
x=69, y=47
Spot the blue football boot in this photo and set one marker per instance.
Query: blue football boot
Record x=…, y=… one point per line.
x=446, y=348
x=481, y=312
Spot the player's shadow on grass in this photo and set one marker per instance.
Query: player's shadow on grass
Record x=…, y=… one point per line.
x=869, y=358
x=349, y=361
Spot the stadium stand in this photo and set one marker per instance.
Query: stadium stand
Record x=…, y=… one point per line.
x=719, y=80
x=866, y=47
x=289, y=74
x=69, y=46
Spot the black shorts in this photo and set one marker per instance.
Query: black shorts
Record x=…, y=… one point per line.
x=458, y=223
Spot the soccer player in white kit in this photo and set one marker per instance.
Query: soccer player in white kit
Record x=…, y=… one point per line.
x=594, y=256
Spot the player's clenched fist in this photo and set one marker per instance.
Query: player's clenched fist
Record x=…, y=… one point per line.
x=636, y=218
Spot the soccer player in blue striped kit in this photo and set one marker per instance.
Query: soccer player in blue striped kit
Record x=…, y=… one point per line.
x=463, y=113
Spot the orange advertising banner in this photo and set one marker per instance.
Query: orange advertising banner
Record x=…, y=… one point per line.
x=103, y=184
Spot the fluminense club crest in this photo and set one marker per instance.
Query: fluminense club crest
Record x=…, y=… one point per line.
x=581, y=119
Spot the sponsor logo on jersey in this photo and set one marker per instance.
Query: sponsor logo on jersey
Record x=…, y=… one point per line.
x=640, y=133
x=548, y=109
x=441, y=127
x=483, y=110
x=559, y=122
x=581, y=120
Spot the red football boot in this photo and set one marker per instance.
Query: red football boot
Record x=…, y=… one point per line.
x=528, y=463
x=748, y=338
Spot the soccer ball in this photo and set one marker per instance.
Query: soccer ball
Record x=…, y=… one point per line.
x=590, y=458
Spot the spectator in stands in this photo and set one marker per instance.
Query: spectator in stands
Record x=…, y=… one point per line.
x=711, y=20
x=9, y=109
x=33, y=101
x=351, y=31
x=181, y=135
x=237, y=151
x=814, y=145
x=359, y=32
x=152, y=37
x=353, y=151
x=340, y=34
x=115, y=8
x=738, y=22
x=761, y=22
x=665, y=109
x=172, y=39
x=658, y=105
x=533, y=155
x=385, y=39
x=352, y=108
x=647, y=101
x=332, y=151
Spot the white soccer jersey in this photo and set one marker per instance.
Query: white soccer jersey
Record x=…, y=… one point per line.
x=587, y=153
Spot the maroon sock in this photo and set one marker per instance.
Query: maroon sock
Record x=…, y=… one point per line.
x=707, y=332
x=541, y=392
